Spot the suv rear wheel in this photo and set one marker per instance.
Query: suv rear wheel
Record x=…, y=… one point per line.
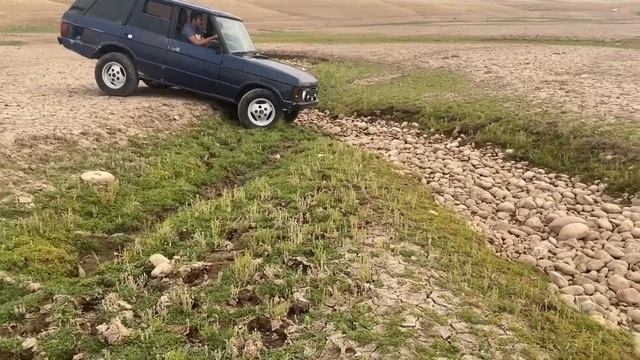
x=259, y=108
x=116, y=74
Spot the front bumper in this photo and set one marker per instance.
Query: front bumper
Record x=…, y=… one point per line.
x=303, y=106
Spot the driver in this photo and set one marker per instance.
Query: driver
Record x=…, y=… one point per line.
x=192, y=31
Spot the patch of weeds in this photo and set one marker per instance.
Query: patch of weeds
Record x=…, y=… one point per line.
x=358, y=324
x=243, y=269
x=60, y=345
x=27, y=29
x=309, y=37
x=11, y=43
x=471, y=316
x=437, y=349
x=155, y=177
x=11, y=292
x=560, y=142
x=394, y=336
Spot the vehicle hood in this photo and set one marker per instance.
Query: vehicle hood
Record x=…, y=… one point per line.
x=278, y=71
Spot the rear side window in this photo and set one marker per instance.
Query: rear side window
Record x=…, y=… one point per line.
x=155, y=17
x=79, y=6
x=112, y=10
x=158, y=9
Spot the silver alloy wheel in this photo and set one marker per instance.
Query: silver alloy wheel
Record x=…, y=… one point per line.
x=113, y=75
x=261, y=112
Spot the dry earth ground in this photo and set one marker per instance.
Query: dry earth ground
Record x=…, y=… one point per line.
x=50, y=98
x=596, y=81
x=50, y=101
x=584, y=19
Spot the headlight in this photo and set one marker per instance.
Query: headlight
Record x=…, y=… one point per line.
x=305, y=95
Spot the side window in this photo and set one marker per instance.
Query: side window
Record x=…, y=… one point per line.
x=155, y=17
x=158, y=9
x=112, y=10
x=184, y=15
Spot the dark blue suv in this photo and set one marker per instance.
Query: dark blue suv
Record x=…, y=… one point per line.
x=141, y=40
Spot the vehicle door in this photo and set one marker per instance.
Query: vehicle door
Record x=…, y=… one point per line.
x=102, y=20
x=191, y=66
x=146, y=34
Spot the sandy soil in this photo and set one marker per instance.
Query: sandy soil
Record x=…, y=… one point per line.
x=50, y=99
x=603, y=83
x=572, y=18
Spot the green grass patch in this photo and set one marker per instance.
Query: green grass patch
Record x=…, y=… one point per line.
x=448, y=103
x=30, y=29
x=302, y=207
x=309, y=37
x=155, y=177
x=11, y=43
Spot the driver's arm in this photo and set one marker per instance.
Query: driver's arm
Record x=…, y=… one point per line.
x=200, y=42
x=204, y=41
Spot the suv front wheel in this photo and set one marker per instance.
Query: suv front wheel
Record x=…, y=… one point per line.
x=259, y=108
x=116, y=74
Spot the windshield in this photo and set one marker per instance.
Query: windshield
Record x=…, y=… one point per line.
x=235, y=35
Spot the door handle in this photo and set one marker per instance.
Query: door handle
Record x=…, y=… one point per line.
x=129, y=36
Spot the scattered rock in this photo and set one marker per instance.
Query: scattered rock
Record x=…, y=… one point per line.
x=634, y=315
x=97, y=177
x=565, y=268
x=33, y=287
x=6, y=278
x=410, y=321
x=558, y=279
x=584, y=199
x=573, y=290
x=162, y=270
x=157, y=259
x=30, y=344
x=617, y=282
x=507, y=207
x=611, y=209
x=629, y=296
x=527, y=260
x=114, y=333
x=595, y=265
x=573, y=231
x=561, y=222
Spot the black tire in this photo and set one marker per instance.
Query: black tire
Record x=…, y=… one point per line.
x=155, y=84
x=266, y=110
x=291, y=116
x=121, y=74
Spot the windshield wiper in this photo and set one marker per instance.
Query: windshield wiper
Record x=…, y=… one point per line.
x=252, y=52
